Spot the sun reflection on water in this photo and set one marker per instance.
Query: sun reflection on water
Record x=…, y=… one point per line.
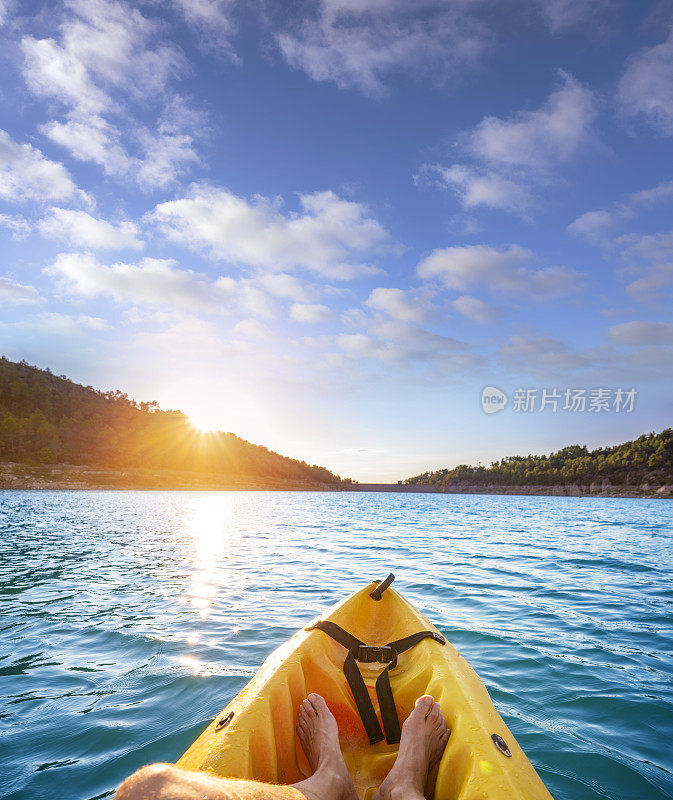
x=210, y=528
x=192, y=664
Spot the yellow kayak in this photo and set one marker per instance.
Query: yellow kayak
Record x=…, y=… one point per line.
x=370, y=656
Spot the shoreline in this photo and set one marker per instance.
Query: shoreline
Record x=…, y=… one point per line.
x=564, y=490
x=45, y=477
x=70, y=477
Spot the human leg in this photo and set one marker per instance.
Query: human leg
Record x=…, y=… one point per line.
x=319, y=736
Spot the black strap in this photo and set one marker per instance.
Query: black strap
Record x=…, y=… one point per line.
x=354, y=677
x=359, y=651
x=384, y=692
x=344, y=638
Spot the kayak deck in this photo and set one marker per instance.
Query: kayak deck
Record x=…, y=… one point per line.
x=254, y=736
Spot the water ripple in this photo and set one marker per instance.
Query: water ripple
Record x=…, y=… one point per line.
x=128, y=619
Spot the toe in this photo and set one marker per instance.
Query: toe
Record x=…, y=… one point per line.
x=424, y=703
x=434, y=716
x=306, y=708
x=317, y=702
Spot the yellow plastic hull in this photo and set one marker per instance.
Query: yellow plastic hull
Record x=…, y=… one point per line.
x=259, y=743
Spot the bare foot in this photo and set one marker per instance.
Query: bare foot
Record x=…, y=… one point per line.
x=424, y=737
x=319, y=736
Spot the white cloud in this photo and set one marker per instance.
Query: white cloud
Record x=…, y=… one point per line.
x=252, y=298
x=51, y=71
x=660, y=193
x=213, y=20
x=90, y=137
x=652, y=247
x=285, y=287
x=54, y=323
x=636, y=334
x=27, y=174
x=17, y=225
x=597, y=226
x=163, y=153
x=487, y=187
x=562, y=15
x=359, y=44
x=95, y=323
x=544, y=354
x=633, y=351
x=329, y=236
x=104, y=45
x=253, y=329
x=106, y=61
x=511, y=156
x=354, y=318
x=354, y=342
x=81, y=229
x=652, y=257
x=650, y=286
x=646, y=87
x=646, y=259
x=398, y=342
x=157, y=282
x=13, y=292
x=593, y=226
x=310, y=312
x=511, y=270
x=475, y=309
x=407, y=306
x=165, y=157
x=538, y=140
x=152, y=281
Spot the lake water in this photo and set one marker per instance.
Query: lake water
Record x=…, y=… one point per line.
x=129, y=619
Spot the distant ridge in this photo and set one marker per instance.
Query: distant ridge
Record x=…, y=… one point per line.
x=644, y=463
x=47, y=419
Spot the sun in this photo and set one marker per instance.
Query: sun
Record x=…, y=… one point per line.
x=205, y=421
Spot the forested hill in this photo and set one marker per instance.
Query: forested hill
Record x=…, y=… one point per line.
x=48, y=419
x=648, y=459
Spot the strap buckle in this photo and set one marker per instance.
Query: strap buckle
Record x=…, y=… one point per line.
x=371, y=655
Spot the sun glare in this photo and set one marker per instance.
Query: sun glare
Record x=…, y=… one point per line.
x=205, y=422
x=249, y=414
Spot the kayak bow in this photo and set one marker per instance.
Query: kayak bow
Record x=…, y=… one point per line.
x=254, y=736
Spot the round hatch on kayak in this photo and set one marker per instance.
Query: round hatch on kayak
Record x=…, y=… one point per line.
x=224, y=721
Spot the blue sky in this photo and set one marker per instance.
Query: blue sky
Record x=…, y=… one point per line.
x=328, y=226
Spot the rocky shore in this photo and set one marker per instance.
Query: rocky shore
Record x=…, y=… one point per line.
x=565, y=490
x=70, y=476
x=604, y=489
